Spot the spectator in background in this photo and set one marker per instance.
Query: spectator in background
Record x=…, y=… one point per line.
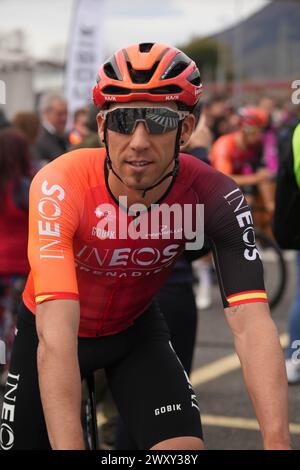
x=80, y=128
x=233, y=120
x=216, y=109
x=52, y=140
x=29, y=124
x=269, y=138
x=3, y=121
x=286, y=130
x=267, y=104
x=287, y=233
x=91, y=140
x=239, y=154
x=15, y=175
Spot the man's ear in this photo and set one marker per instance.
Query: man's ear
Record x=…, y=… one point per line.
x=100, y=122
x=187, y=129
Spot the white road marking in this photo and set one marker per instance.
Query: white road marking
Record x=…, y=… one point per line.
x=222, y=366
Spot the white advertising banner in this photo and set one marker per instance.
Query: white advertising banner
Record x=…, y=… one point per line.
x=85, y=52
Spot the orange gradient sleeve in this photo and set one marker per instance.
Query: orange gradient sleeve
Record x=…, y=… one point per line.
x=221, y=155
x=53, y=220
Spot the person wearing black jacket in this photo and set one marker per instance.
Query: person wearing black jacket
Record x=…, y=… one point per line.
x=286, y=230
x=52, y=140
x=3, y=121
x=286, y=217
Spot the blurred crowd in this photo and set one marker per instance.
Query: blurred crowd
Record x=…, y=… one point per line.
x=47, y=137
x=247, y=143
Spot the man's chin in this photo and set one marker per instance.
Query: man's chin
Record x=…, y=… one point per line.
x=138, y=186
x=136, y=183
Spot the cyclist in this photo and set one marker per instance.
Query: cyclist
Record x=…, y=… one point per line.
x=88, y=300
x=239, y=154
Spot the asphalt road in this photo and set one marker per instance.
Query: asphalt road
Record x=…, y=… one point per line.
x=228, y=417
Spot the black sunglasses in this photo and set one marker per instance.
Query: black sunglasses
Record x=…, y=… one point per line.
x=156, y=120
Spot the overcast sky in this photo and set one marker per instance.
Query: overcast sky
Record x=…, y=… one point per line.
x=47, y=23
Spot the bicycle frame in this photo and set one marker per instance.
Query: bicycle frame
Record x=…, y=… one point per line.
x=93, y=437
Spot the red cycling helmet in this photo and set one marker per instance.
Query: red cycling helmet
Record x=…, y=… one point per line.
x=151, y=72
x=253, y=116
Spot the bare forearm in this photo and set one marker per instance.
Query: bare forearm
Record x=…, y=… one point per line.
x=60, y=387
x=265, y=377
x=57, y=323
x=244, y=180
x=266, y=189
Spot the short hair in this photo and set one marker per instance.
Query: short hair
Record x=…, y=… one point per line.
x=79, y=112
x=209, y=100
x=47, y=100
x=28, y=123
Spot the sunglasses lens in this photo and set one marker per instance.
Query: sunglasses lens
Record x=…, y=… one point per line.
x=161, y=120
x=156, y=120
x=120, y=121
x=251, y=129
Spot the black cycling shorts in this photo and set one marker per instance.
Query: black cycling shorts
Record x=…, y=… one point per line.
x=148, y=383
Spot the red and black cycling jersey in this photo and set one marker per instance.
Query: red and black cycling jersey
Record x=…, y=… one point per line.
x=116, y=277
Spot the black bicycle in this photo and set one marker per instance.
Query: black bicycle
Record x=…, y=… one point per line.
x=275, y=271
x=89, y=415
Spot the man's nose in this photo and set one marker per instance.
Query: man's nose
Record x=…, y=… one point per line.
x=140, y=139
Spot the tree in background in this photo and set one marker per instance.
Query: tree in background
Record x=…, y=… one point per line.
x=212, y=57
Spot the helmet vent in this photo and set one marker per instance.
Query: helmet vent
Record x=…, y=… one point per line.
x=194, y=78
x=196, y=81
x=176, y=70
x=108, y=69
x=146, y=46
x=166, y=90
x=116, y=90
x=141, y=76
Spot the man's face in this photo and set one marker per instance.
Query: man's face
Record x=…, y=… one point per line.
x=57, y=115
x=252, y=135
x=218, y=109
x=81, y=125
x=156, y=150
x=267, y=104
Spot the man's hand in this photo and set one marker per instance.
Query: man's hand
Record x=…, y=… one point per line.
x=258, y=347
x=262, y=175
x=201, y=137
x=59, y=375
x=260, y=178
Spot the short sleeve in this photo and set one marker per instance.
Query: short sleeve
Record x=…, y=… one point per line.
x=53, y=219
x=220, y=156
x=229, y=226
